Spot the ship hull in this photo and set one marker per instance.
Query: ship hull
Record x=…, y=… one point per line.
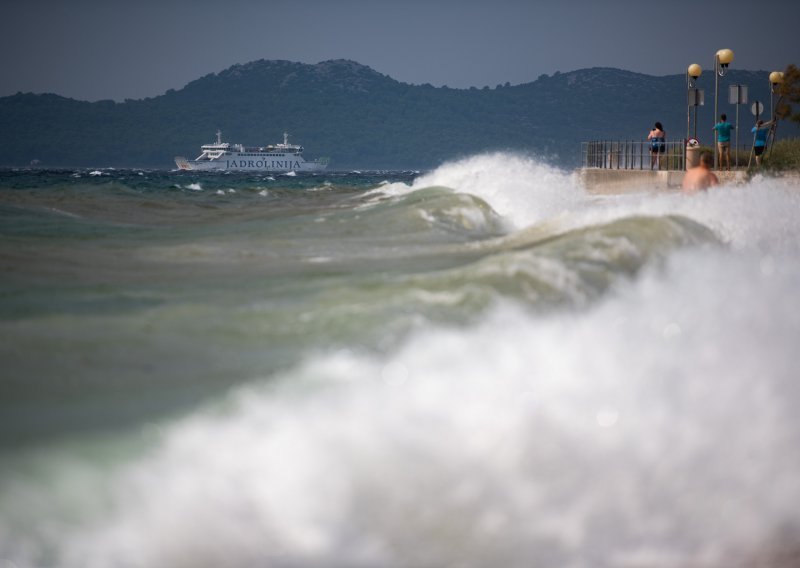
x=237, y=162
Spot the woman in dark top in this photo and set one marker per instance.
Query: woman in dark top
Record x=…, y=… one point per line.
x=658, y=144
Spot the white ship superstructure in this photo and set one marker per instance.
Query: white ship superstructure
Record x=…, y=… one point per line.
x=221, y=155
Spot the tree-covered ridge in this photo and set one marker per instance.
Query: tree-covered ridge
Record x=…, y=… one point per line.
x=355, y=115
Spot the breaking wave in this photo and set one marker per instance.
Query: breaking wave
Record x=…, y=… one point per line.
x=558, y=380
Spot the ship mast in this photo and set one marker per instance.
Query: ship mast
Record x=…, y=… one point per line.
x=219, y=136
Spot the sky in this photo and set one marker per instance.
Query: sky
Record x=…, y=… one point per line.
x=114, y=49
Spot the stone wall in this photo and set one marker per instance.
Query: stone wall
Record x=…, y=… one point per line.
x=605, y=181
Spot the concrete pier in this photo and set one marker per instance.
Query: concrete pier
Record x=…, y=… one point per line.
x=610, y=181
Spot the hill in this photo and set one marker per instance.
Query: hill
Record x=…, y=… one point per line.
x=357, y=116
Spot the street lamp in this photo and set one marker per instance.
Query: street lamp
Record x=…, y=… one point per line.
x=775, y=80
x=722, y=59
x=692, y=98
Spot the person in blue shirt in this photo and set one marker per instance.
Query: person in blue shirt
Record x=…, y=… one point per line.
x=761, y=130
x=723, y=128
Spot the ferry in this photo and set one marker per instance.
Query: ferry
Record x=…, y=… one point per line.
x=222, y=156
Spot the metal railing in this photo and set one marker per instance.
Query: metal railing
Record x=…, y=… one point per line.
x=634, y=155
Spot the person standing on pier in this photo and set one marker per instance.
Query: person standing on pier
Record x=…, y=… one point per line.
x=761, y=130
x=658, y=144
x=723, y=128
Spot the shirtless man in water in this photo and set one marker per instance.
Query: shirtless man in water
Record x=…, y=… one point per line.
x=701, y=177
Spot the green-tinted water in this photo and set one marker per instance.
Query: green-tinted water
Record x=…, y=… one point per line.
x=480, y=365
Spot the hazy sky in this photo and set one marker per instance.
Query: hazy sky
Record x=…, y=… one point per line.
x=113, y=49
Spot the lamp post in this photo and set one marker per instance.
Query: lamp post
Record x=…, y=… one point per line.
x=722, y=59
x=692, y=74
x=775, y=80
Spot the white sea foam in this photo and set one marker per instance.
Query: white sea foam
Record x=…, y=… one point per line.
x=574, y=440
x=522, y=189
x=762, y=213
x=526, y=191
x=657, y=428
x=195, y=187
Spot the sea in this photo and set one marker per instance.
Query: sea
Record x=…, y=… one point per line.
x=481, y=365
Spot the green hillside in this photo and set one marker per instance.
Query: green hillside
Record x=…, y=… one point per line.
x=354, y=115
